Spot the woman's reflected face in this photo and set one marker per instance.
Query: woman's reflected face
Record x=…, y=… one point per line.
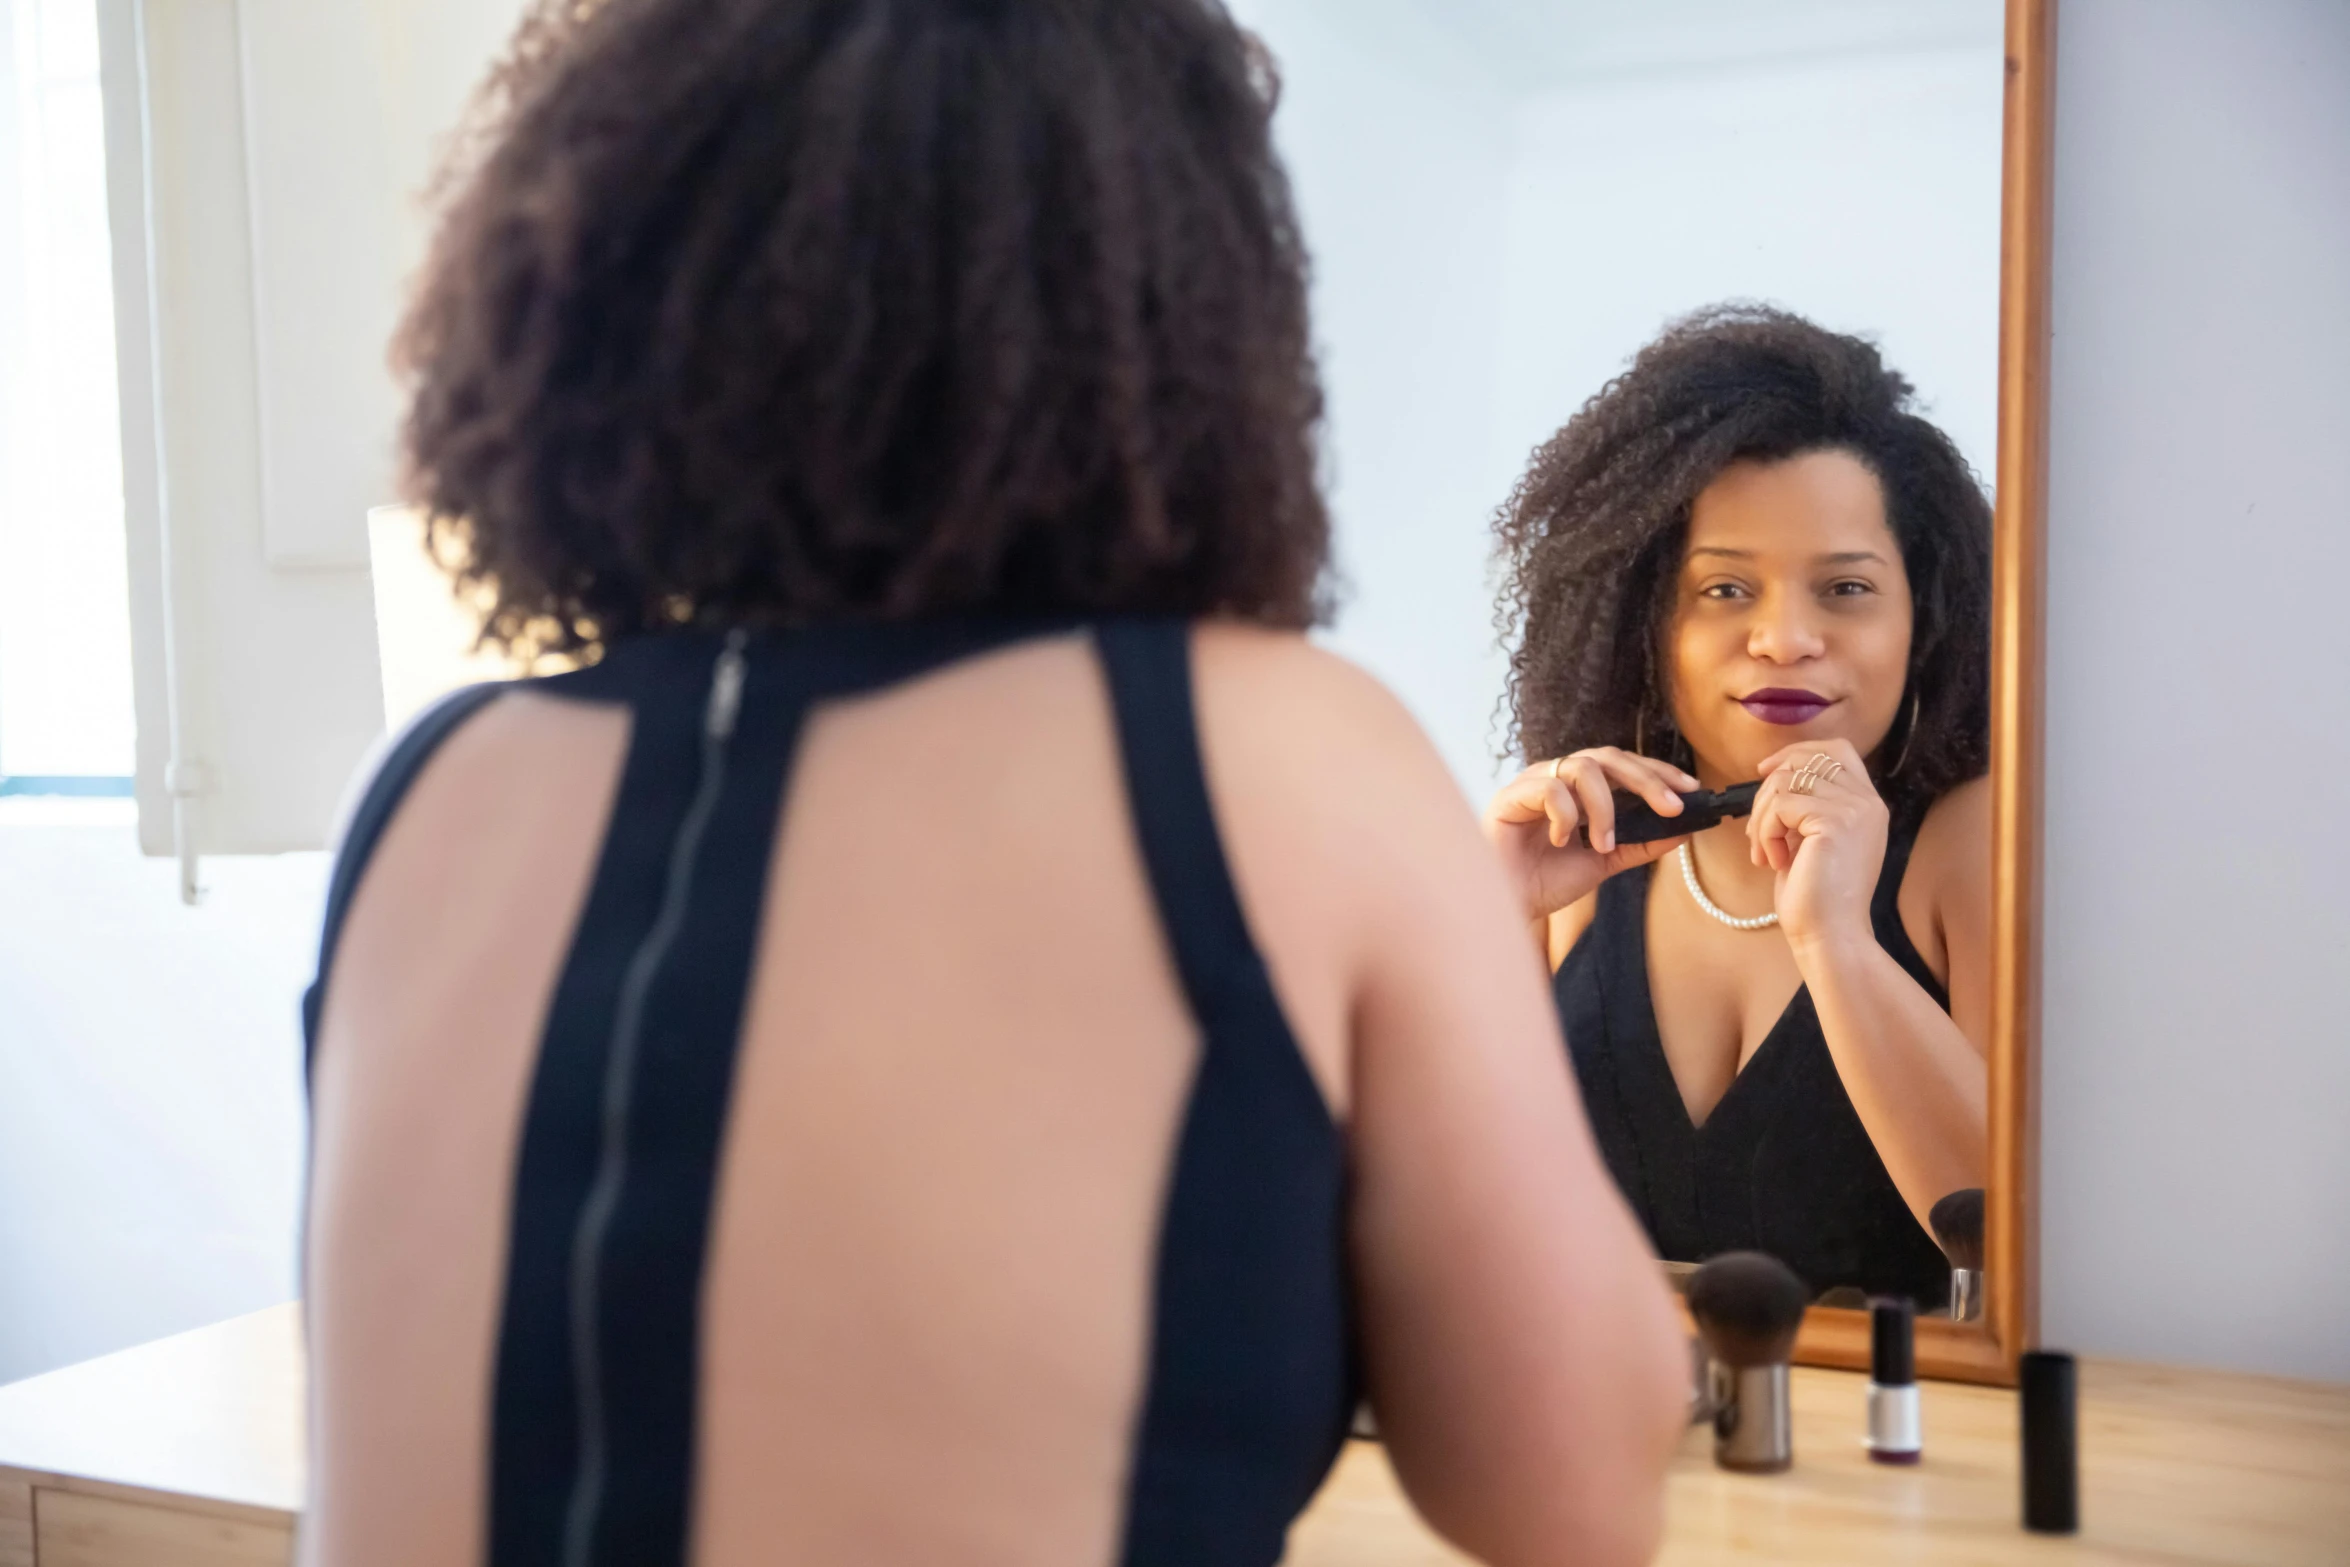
x=1792, y=617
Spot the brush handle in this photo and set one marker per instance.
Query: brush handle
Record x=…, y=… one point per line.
x=1638, y=822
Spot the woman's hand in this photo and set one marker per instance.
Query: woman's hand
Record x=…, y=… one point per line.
x=1532, y=823
x=1827, y=844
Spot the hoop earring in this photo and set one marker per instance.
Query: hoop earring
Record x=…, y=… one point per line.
x=1908, y=739
x=1640, y=730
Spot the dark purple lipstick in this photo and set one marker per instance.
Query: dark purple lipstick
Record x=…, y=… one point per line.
x=1785, y=705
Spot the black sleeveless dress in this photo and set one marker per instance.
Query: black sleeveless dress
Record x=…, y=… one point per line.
x=1783, y=1164
x=1251, y=1379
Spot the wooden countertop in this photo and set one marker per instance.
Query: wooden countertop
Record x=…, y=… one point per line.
x=2178, y=1467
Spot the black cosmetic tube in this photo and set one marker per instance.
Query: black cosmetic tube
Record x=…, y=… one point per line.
x=2051, y=1419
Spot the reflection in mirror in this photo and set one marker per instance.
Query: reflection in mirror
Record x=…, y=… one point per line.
x=1730, y=274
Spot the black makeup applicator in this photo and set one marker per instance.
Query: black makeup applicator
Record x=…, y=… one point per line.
x=1748, y=1307
x=1637, y=821
x=1957, y=1221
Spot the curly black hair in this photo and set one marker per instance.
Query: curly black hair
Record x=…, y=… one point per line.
x=1591, y=539
x=789, y=311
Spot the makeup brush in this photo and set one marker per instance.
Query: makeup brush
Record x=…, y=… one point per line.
x=1638, y=822
x=1748, y=1307
x=1958, y=1224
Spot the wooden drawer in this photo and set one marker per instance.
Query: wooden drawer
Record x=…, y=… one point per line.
x=16, y=1523
x=71, y=1529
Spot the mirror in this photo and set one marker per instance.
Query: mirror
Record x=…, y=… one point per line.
x=1626, y=289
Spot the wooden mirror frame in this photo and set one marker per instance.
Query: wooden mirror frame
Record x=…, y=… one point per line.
x=1987, y=1351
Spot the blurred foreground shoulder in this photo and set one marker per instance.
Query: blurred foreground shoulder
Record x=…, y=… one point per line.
x=1322, y=717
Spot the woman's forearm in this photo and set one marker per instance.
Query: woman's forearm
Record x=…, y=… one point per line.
x=1921, y=1089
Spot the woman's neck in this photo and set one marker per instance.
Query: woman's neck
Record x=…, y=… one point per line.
x=1727, y=871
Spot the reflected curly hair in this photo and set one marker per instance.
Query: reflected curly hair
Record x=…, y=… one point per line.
x=1591, y=539
x=788, y=311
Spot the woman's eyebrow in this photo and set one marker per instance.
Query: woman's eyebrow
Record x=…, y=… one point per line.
x=1839, y=558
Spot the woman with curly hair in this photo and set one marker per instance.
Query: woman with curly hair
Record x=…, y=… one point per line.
x=898, y=1056
x=1749, y=559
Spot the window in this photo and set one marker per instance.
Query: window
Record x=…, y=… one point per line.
x=66, y=717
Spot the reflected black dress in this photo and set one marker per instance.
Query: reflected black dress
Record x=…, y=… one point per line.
x=1783, y=1164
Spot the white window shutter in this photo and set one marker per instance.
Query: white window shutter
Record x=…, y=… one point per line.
x=265, y=163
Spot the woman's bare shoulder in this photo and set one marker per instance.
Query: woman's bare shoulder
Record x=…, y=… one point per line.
x=1326, y=719
x=489, y=777
x=1278, y=667
x=1949, y=877
x=1955, y=837
x=1314, y=748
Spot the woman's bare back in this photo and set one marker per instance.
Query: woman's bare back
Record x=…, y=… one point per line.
x=965, y=1061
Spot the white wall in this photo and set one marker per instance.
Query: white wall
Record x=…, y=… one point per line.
x=150, y=1085
x=1400, y=154
x=1861, y=190
x=2196, y=1147
x=150, y=1092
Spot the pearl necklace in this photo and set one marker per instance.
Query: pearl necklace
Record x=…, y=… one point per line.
x=1689, y=875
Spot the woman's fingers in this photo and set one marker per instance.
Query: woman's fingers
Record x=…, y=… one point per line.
x=1517, y=803
x=1536, y=798
x=1838, y=766
x=1523, y=800
x=1772, y=829
x=1578, y=791
x=1632, y=855
x=1558, y=803
x=1661, y=784
x=1806, y=786
x=1758, y=820
x=1587, y=776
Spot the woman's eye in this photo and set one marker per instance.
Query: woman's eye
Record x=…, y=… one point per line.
x=1721, y=590
x=1850, y=588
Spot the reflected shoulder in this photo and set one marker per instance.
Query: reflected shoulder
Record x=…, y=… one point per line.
x=1954, y=845
x=1960, y=821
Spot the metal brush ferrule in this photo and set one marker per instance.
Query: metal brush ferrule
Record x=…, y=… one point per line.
x=1966, y=1294
x=1754, y=1425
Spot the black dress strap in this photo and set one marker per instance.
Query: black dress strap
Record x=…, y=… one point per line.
x=1885, y=904
x=598, y=1362
x=401, y=765
x=1148, y=664
x=1252, y=1376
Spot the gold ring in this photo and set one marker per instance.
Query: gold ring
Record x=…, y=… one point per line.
x=1813, y=773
